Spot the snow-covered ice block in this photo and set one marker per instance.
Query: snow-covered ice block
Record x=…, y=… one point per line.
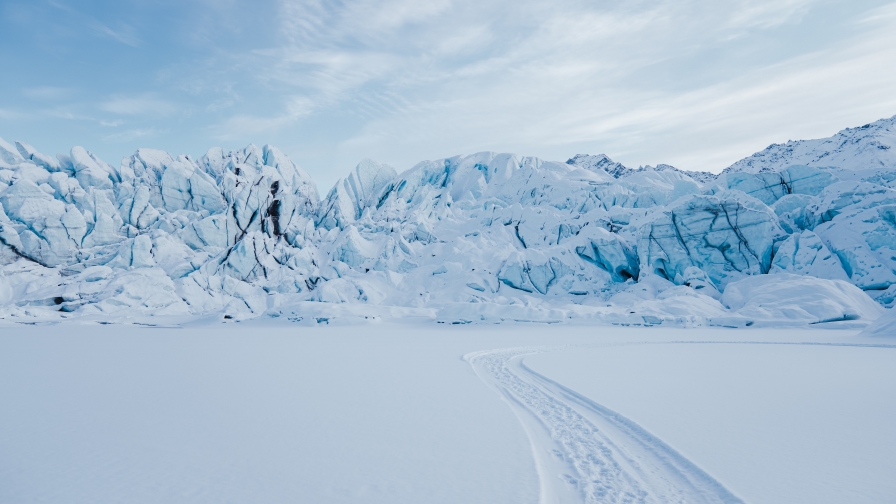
x=353, y=249
x=610, y=252
x=348, y=198
x=135, y=253
x=885, y=325
x=851, y=197
x=805, y=254
x=90, y=170
x=786, y=298
x=29, y=153
x=8, y=154
x=727, y=235
x=793, y=211
x=768, y=187
x=865, y=241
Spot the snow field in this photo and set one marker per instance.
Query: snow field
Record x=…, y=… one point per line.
x=274, y=411
x=252, y=414
x=775, y=422
x=586, y=453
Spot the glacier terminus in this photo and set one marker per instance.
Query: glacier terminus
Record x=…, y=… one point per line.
x=802, y=232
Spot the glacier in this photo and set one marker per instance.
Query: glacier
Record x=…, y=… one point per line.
x=800, y=233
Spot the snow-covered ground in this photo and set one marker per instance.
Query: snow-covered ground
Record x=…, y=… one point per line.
x=773, y=423
x=273, y=411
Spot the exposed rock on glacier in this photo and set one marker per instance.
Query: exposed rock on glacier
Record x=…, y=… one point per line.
x=601, y=162
x=483, y=237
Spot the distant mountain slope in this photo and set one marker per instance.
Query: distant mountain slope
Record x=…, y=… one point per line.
x=866, y=147
x=619, y=170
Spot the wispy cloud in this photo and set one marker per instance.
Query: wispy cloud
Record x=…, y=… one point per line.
x=243, y=125
x=697, y=83
x=68, y=112
x=358, y=22
x=633, y=79
x=144, y=105
x=11, y=114
x=124, y=33
x=47, y=93
x=97, y=23
x=767, y=13
x=132, y=134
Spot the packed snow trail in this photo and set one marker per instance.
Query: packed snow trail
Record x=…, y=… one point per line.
x=585, y=452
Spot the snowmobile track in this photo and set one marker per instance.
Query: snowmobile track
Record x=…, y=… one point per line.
x=587, y=453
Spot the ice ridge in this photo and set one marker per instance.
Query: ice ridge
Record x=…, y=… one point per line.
x=483, y=237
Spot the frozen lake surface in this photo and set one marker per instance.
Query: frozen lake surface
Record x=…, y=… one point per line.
x=419, y=412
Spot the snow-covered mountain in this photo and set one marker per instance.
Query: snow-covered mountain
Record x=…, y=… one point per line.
x=779, y=238
x=602, y=162
x=872, y=146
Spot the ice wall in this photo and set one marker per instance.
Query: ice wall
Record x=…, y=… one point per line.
x=243, y=233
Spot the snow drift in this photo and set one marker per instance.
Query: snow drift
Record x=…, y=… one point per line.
x=803, y=232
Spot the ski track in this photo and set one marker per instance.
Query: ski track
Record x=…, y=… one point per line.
x=587, y=453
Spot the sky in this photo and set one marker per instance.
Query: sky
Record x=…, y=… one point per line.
x=697, y=84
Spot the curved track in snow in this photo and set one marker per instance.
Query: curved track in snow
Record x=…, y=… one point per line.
x=587, y=453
